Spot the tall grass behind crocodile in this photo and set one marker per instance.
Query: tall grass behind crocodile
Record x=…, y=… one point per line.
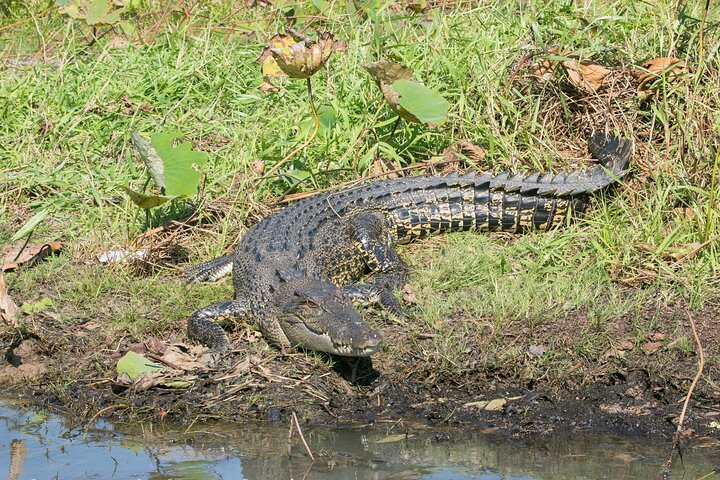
x=296, y=272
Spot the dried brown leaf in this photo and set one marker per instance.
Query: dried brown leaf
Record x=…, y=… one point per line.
x=656, y=68
x=304, y=58
x=31, y=254
x=409, y=296
x=188, y=361
x=267, y=87
x=472, y=151
x=586, y=76
x=258, y=167
x=7, y=305
x=651, y=347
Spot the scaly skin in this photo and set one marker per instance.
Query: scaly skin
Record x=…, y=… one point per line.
x=295, y=272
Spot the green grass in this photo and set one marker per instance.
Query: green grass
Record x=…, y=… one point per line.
x=65, y=146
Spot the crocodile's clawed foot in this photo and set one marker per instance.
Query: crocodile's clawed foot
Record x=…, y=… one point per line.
x=370, y=292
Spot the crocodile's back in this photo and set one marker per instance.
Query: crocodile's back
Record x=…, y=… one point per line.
x=428, y=204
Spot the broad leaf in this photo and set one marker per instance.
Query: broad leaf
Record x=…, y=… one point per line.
x=134, y=365
x=146, y=202
x=327, y=117
x=97, y=10
x=93, y=12
x=425, y=104
x=181, y=179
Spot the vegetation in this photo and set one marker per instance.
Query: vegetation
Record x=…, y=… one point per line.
x=525, y=82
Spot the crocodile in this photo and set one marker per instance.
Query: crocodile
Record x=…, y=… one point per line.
x=297, y=272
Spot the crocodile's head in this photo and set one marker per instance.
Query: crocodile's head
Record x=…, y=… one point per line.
x=317, y=315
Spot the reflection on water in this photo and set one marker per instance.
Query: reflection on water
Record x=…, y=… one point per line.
x=37, y=446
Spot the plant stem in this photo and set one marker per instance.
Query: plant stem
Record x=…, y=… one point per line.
x=307, y=142
x=712, y=196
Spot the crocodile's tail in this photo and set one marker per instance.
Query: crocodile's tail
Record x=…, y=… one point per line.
x=427, y=205
x=211, y=270
x=613, y=154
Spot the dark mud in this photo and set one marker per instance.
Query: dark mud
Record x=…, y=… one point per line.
x=633, y=388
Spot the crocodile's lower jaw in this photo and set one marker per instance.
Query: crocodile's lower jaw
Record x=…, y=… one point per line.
x=350, y=351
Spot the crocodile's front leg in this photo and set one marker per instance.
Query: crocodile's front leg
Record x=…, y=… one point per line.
x=202, y=326
x=373, y=242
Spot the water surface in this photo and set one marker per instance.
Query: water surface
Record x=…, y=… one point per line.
x=35, y=445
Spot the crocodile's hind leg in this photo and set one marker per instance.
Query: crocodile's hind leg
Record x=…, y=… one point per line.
x=202, y=326
x=210, y=271
x=388, y=271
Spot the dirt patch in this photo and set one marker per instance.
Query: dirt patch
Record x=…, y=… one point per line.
x=628, y=389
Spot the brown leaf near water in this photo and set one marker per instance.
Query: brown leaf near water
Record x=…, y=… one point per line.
x=29, y=255
x=655, y=68
x=586, y=75
x=189, y=361
x=7, y=305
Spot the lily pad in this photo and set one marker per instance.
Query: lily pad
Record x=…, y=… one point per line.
x=425, y=104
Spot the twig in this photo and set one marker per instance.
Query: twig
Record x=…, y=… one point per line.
x=300, y=147
x=701, y=365
x=100, y=412
x=302, y=437
x=292, y=427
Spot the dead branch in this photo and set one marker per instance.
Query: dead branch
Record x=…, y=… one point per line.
x=678, y=432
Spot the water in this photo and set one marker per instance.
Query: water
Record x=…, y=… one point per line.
x=34, y=445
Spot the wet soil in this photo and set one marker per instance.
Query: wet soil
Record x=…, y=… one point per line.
x=632, y=388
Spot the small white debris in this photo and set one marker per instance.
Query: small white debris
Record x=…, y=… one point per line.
x=117, y=256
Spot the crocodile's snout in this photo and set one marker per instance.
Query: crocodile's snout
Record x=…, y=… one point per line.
x=319, y=316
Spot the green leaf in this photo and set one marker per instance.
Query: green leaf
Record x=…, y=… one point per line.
x=134, y=365
x=36, y=307
x=97, y=10
x=425, y=104
x=181, y=179
x=150, y=158
x=321, y=5
x=327, y=117
x=146, y=202
x=127, y=28
x=30, y=225
x=71, y=8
